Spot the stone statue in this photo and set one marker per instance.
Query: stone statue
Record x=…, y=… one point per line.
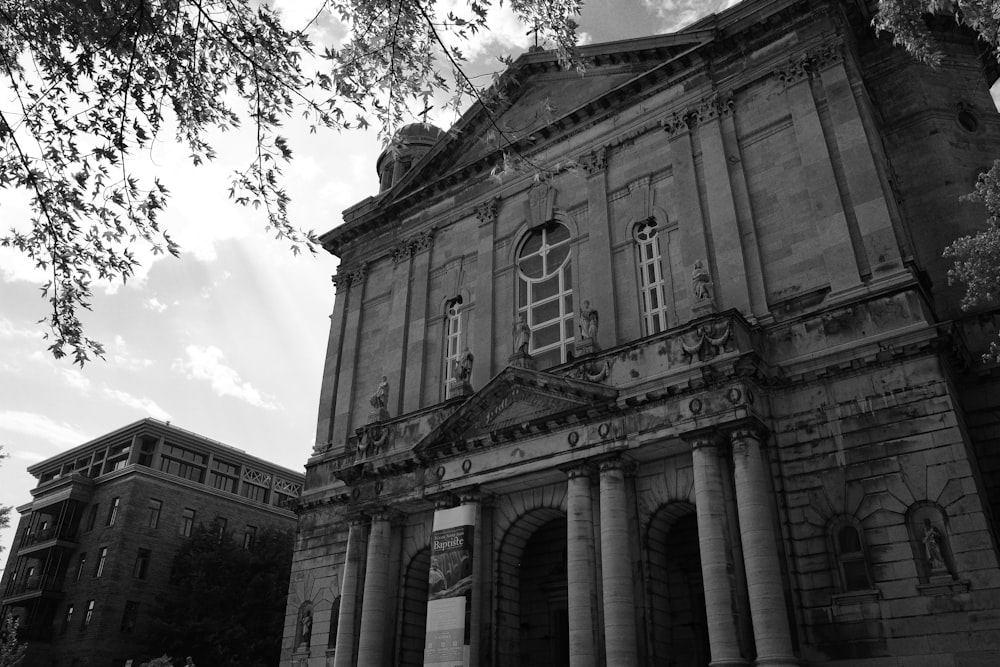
x=932, y=546
x=522, y=336
x=588, y=321
x=380, y=399
x=701, y=282
x=305, y=625
x=463, y=366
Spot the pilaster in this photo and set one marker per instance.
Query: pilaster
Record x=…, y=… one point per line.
x=346, y=621
x=597, y=281
x=482, y=342
x=355, y=281
x=420, y=249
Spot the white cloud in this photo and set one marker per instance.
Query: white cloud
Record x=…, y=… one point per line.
x=75, y=379
x=30, y=457
x=207, y=363
x=39, y=426
x=676, y=14
x=123, y=358
x=154, y=304
x=8, y=330
x=145, y=405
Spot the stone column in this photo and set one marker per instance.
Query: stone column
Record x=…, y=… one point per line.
x=616, y=562
x=694, y=240
x=833, y=230
x=598, y=280
x=377, y=597
x=396, y=329
x=580, y=570
x=412, y=390
x=351, y=341
x=481, y=345
x=331, y=369
x=714, y=548
x=760, y=553
x=346, y=635
x=473, y=499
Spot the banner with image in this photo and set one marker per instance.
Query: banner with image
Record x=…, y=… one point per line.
x=449, y=598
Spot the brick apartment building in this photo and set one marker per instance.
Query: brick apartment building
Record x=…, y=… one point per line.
x=93, y=549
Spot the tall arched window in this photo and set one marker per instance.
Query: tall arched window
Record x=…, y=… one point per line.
x=652, y=288
x=545, y=293
x=849, y=552
x=452, y=337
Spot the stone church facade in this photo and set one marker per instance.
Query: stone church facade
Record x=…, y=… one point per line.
x=690, y=363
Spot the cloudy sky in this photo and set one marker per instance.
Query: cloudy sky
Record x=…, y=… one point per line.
x=229, y=340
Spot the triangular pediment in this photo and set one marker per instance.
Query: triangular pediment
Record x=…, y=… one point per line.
x=518, y=398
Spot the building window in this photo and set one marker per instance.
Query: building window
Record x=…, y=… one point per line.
x=220, y=527
x=141, y=563
x=254, y=492
x=545, y=293
x=249, y=536
x=224, y=476
x=147, y=445
x=652, y=288
x=81, y=562
x=452, y=338
x=68, y=619
x=187, y=521
x=183, y=463
x=129, y=616
x=153, y=518
x=848, y=549
x=91, y=518
x=88, y=616
x=113, y=511
x=102, y=557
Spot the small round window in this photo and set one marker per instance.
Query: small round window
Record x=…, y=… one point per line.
x=968, y=120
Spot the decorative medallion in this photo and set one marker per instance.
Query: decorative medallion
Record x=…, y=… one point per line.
x=466, y=465
x=603, y=430
x=734, y=395
x=695, y=406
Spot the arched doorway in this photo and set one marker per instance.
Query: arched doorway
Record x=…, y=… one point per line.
x=413, y=610
x=532, y=618
x=677, y=621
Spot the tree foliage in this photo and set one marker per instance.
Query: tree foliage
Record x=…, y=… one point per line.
x=11, y=648
x=977, y=257
x=229, y=607
x=91, y=83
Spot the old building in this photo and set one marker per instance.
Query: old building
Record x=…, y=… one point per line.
x=686, y=384
x=93, y=549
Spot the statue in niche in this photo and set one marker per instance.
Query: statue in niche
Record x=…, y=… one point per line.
x=463, y=366
x=522, y=336
x=701, y=282
x=932, y=547
x=588, y=321
x=305, y=625
x=380, y=398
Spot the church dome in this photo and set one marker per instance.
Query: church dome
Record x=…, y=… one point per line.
x=409, y=144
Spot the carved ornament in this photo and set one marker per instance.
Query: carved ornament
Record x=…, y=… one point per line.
x=487, y=211
x=595, y=162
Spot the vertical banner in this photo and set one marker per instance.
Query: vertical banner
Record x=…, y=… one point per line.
x=449, y=594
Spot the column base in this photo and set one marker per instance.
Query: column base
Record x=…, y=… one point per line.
x=777, y=661
x=729, y=662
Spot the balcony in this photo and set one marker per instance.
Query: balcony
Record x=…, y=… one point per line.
x=33, y=587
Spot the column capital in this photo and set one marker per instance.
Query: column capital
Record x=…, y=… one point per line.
x=615, y=462
x=704, y=439
x=486, y=212
x=741, y=435
x=474, y=495
x=386, y=514
x=578, y=469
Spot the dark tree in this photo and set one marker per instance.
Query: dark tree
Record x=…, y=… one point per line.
x=229, y=606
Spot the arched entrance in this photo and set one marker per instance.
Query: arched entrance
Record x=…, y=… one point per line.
x=533, y=624
x=413, y=610
x=677, y=622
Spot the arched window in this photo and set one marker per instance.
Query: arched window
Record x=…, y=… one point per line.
x=452, y=337
x=849, y=553
x=652, y=288
x=545, y=293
